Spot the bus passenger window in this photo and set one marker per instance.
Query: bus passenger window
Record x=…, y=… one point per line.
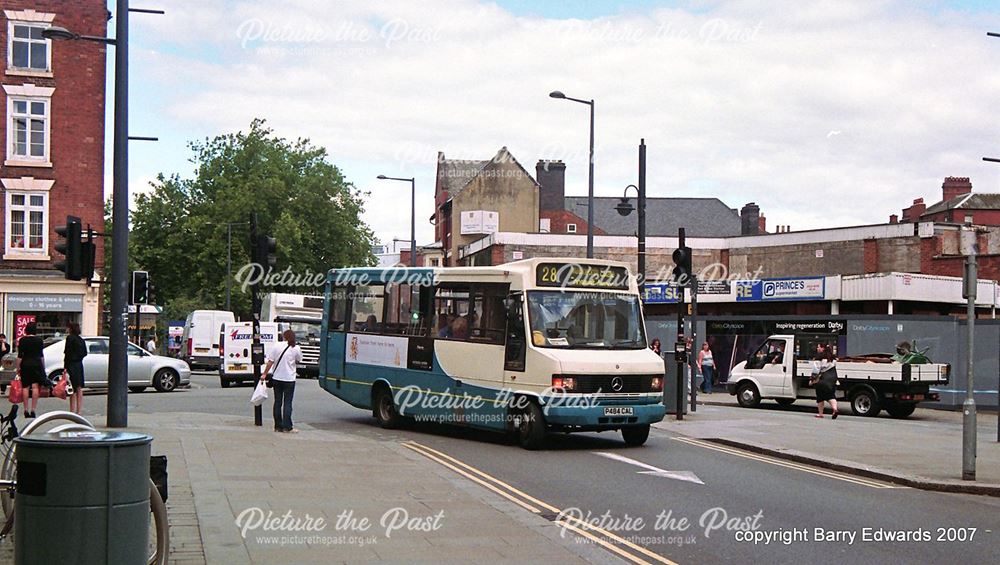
x=338, y=309
x=366, y=309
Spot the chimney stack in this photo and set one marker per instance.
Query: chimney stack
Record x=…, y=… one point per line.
x=762, y=224
x=913, y=213
x=551, y=177
x=750, y=217
x=954, y=187
x=893, y=219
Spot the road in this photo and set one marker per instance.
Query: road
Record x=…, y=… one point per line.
x=687, y=515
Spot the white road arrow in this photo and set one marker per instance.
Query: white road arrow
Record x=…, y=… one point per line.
x=651, y=470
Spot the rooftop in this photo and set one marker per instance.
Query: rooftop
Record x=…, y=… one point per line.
x=701, y=217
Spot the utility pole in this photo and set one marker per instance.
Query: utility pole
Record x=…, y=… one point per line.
x=969, y=406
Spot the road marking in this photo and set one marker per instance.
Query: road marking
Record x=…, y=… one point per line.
x=788, y=464
x=606, y=539
x=651, y=470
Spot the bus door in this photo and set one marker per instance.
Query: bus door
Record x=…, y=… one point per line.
x=334, y=342
x=516, y=346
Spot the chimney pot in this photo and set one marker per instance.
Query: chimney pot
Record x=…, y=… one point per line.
x=953, y=187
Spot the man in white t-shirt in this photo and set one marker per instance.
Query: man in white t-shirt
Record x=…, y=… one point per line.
x=151, y=346
x=283, y=358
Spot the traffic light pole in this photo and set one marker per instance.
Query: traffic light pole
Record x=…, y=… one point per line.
x=680, y=347
x=693, y=354
x=256, y=348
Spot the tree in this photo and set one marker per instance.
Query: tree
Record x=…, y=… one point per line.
x=178, y=230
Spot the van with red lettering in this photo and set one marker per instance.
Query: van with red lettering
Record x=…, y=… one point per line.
x=235, y=339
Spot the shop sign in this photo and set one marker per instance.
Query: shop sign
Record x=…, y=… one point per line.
x=804, y=288
x=45, y=302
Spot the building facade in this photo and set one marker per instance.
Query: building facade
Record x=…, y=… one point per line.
x=53, y=159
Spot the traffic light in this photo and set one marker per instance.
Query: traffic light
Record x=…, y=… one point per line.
x=140, y=287
x=682, y=262
x=70, y=246
x=266, y=252
x=88, y=256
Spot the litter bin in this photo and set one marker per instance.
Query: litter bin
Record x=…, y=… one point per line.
x=670, y=386
x=82, y=497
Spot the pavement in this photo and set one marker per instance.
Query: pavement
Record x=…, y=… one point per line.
x=923, y=451
x=243, y=494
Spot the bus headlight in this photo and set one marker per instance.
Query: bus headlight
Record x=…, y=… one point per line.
x=657, y=384
x=560, y=382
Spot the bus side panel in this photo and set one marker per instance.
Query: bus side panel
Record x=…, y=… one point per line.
x=332, y=362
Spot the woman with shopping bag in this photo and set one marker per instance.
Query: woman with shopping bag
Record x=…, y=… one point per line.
x=75, y=351
x=31, y=367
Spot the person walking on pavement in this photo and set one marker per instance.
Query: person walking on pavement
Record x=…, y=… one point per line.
x=284, y=359
x=74, y=352
x=706, y=364
x=30, y=367
x=4, y=346
x=824, y=378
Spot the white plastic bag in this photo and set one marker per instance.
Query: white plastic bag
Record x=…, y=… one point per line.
x=259, y=394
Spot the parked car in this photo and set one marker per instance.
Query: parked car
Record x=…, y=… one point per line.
x=144, y=369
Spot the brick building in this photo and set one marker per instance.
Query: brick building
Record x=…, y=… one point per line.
x=53, y=158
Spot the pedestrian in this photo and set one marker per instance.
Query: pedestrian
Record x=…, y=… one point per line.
x=655, y=345
x=74, y=352
x=4, y=346
x=706, y=364
x=284, y=359
x=151, y=345
x=30, y=367
x=824, y=378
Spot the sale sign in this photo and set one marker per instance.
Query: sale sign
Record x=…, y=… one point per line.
x=21, y=322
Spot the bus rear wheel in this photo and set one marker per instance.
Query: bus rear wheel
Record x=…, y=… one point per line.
x=529, y=427
x=635, y=436
x=385, y=409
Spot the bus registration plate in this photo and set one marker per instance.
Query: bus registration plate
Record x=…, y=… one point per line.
x=618, y=411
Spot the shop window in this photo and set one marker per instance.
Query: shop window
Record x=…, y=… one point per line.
x=27, y=222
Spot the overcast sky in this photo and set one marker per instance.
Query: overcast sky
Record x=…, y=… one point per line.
x=824, y=113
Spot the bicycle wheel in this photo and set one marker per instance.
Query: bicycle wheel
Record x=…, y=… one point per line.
x=159, y=528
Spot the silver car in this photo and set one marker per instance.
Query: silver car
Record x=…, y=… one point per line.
x=144, y=369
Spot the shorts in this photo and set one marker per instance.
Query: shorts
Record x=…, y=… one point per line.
x=75, y=371
x=33, y=375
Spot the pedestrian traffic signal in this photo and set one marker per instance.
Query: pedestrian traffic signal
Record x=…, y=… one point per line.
x=70, y=247
x=140, y=287
x=682, y=262
x=266, y=252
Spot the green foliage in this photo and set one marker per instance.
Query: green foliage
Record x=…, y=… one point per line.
x=179, y=230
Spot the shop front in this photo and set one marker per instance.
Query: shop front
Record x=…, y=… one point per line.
x=47, y=301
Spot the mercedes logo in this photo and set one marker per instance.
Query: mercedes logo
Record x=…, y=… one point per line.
x=617, y=384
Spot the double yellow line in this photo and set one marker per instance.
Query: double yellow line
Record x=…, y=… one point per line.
x=787, y=464
x=610, y=541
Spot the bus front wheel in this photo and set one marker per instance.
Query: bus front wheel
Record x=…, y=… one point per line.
x=385, y=409
x=530, y=427
x=635, y=436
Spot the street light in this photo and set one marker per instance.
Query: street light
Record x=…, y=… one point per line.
x=624, y=208
x=590, y=175
x=118, y=342
x=229, y=256
x=413, y=215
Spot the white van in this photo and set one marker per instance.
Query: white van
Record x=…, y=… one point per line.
x=201, y=337
x=235, y=363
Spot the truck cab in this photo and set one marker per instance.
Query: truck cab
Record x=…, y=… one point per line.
x=781, y=368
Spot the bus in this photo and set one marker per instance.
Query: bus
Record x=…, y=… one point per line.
x=526, y=348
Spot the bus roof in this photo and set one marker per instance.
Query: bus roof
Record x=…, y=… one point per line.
x=515, y=269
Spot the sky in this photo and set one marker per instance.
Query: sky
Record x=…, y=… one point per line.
x=824, y=113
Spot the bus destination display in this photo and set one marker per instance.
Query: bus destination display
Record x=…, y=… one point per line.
x=575, y=275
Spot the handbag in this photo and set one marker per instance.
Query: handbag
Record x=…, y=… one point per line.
x=15, y=392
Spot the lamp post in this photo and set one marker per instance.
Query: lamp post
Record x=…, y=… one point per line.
x=625, y=208
x=117, y=359
x=590, y=173
x=413, y=215
x=229, y=257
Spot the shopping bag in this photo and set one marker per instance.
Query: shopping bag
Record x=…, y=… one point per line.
x=59, y=391
x=259, y=394
x=15, y=392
